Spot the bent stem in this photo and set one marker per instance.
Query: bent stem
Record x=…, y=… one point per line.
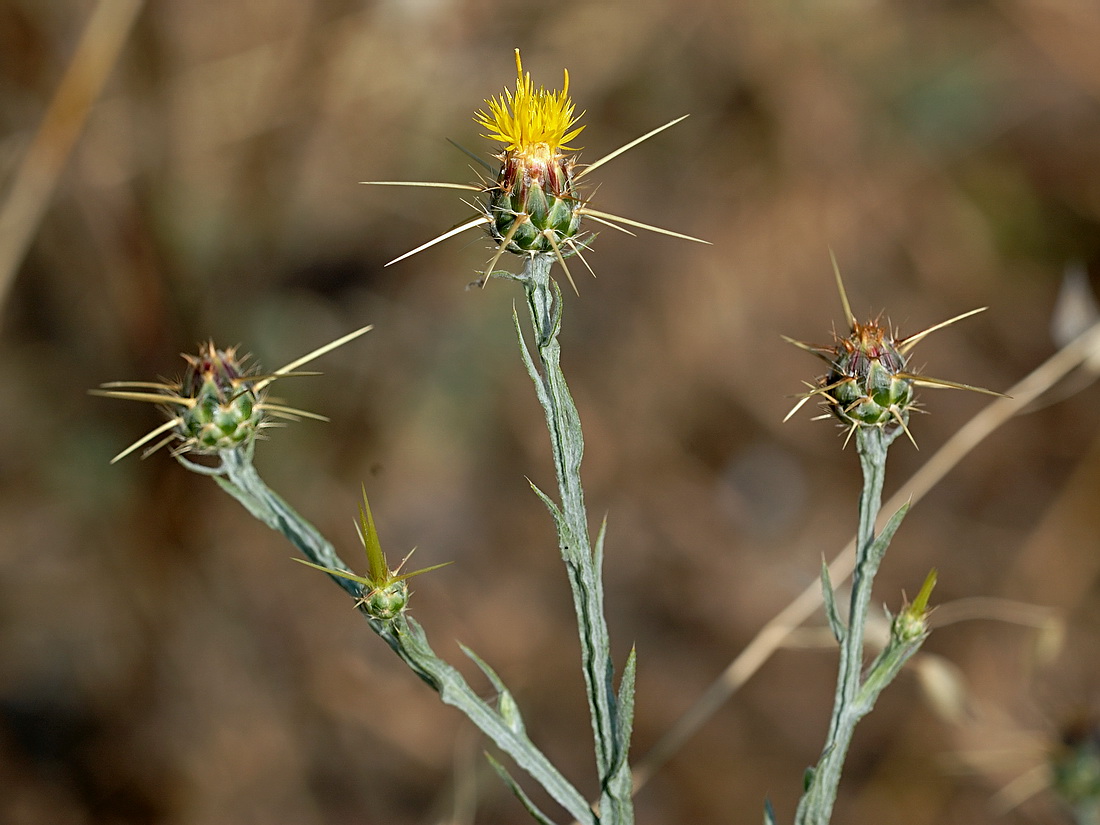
x=856, y=694
x=502, y=724
x=611, y=714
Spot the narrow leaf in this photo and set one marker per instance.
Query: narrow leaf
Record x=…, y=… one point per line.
x=521, y=795
x=555, y=513
x=379, y=570
x=597, y=551
x=882, y=541
x=831, y=613
x=506, y=703
x=626, y=704
x=422, y=570
x=532, y=370
x=332, y=572
x=769, y=813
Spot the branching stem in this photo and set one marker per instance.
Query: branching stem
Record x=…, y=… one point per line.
x=405, y=637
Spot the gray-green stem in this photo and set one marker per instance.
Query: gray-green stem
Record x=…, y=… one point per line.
x=851, y=703
x=611, y=714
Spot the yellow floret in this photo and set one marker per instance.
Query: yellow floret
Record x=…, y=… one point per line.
x=528, y=118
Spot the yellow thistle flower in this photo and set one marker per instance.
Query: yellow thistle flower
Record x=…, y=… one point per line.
x=532, y=207
x=531, y=120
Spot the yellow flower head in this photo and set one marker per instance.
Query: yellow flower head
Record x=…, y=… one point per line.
x=531, y=119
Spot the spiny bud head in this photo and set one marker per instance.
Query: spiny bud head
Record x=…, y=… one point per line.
x=386, y=602
x=385, y=593
x=218, y=404
x=867, y=384
x=224, y=410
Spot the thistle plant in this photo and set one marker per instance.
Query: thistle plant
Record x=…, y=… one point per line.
x=531, y=208
x=869, y=389
x=531, y=205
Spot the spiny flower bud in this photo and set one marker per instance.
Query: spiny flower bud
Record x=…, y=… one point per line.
x=385, y=592
x=869, y=383
x=225, y=409
x=911, y=624
x=387, y=602
x=218, y=404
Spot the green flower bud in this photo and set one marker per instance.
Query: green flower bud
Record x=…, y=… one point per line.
x=226, y=411
x=217, y=405
x=385, y=592
x=911, y=624
x=386, y=602
x=533, y=208
x=868, y=385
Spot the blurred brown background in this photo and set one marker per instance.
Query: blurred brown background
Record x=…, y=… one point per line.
x=163, y=661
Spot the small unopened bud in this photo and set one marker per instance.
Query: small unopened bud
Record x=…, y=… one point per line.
x=385, y=592
x=224, y=410
x=386, y=602
x=911, y=624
